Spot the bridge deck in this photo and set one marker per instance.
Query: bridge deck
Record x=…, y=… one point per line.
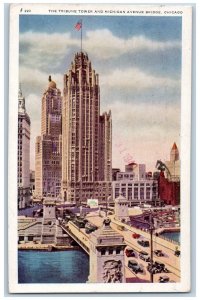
x=78, y=235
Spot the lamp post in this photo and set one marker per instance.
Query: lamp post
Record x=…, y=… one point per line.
x=151, y=245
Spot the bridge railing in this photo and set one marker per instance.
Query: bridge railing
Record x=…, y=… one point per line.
x=68, y=230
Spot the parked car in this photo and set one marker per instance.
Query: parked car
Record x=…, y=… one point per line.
x=90, y=228
x=136, y=268
x=156, y=267
x=120, y=227
x=136, y=235
x=79, y=223
x=163, y=279
x=158, y=253
x=143, y=243
x=144, y=256
x=177, y=253
x=130, y=253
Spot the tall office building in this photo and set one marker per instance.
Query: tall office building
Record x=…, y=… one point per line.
x=169, y=180
x=173, y=165
x=105, y=147
x=24, y=124
x=48, y=147
x=86, y=136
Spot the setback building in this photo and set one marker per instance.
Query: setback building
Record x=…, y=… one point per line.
x=86, y=136
x=48, y=146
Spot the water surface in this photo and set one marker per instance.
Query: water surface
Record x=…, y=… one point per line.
x=175, y=236
x=53, y=267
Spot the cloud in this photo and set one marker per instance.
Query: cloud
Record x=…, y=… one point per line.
x=145, y=131
x=108, y=46
x=145, y=119
x=36, y=81
x=135, y=78
x=44, y=49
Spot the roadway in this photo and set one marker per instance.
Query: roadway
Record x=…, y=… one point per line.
x=171, y=262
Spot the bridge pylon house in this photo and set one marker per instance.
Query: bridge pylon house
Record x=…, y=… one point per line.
x=121, y=209
x=49, y=221
x=106, y=255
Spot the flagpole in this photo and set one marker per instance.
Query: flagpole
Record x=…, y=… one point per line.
x=81, y=34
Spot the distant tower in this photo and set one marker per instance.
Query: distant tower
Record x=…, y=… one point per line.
x=86, y=136
x=105, y=147
x=173, y=165
x=174, y=154
x=48, y=146
x=23, y=153
x=121, y=209
x=107, y=255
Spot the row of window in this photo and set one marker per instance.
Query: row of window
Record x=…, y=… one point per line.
x=110, y=251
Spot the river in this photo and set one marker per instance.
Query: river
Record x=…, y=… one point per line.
x=53, y=267
x=175, y=236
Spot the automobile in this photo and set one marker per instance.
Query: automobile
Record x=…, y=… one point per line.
x=163, y=279
x=136, y=235
x=159, y=264
x=136, y=268
x=120, y=227
x=130, y=253
x=177, y=253
x=79, y=223
x=157, y=267
x=158, y=253
x=90, y=228
x=144, y=256
x=143, y=243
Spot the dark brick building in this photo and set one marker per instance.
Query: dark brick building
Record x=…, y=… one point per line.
x=168, y=191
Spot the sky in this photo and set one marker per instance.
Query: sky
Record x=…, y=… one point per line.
x=138, y=60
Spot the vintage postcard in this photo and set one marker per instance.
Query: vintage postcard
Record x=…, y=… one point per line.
x=99, y=148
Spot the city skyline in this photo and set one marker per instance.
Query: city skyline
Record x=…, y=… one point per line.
x=154, y=49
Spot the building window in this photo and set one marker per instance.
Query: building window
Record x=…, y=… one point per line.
x=124, y=192
x=135, y=193
x=103, y=252
x=118, y=250
x=141, y=193
x=110, y=251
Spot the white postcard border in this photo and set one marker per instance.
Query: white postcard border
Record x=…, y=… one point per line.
x=184, y=285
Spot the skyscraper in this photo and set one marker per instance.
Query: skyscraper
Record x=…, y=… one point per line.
x=48, y=147
x=24, y=124
x=86, y=136
x=173, y=165
x=174, y=153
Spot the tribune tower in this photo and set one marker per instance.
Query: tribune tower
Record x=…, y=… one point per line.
x=86, y=136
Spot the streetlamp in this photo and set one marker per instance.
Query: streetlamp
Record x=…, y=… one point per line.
x=151, y=246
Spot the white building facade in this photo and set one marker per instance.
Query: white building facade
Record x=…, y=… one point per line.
x=135, y=187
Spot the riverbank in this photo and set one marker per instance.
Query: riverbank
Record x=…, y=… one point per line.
x=46, y=247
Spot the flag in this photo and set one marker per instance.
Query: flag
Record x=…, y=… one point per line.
x=78, y=25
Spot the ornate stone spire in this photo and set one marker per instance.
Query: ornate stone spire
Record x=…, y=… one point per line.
x=21, y=101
